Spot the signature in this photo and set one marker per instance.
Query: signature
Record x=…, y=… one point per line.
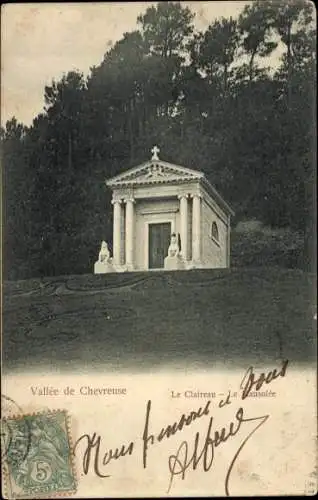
x=182, y=460
x=170, y=430
x=201, y=452
x=249, y=380
x=92, y=450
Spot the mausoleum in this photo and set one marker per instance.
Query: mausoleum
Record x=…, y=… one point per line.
x=166, y=216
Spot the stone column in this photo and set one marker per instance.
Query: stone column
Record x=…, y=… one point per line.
x=116, y=232
x=129, y=231
x=184, y=224
x=196, y=228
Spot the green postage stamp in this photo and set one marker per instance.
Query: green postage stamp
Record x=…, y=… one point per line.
x=37, y=455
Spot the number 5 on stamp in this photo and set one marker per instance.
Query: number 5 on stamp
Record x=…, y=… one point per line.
x=38, y=458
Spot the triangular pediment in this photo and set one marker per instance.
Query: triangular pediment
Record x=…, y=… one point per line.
x=154, y=172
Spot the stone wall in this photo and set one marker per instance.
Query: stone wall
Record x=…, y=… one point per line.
x=213, y=253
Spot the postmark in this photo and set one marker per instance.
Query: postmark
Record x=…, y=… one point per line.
x=38, y=458
x=10, y=409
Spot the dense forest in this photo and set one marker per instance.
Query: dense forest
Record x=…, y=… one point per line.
x=219, y=101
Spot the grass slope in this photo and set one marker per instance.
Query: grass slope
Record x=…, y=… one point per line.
x=144, y=321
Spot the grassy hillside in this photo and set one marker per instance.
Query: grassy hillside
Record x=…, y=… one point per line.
x=256, y=245
x=146, y=321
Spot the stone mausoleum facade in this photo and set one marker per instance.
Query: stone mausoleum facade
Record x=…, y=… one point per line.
x=166, y=216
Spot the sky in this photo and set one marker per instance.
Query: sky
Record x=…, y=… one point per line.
x=41, y=42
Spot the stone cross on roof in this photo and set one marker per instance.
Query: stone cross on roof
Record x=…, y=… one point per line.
x=155, y=150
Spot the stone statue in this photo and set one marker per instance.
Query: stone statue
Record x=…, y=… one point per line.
x=174, y=259
x=173, y=250
x=104, y=262
x=104, y=255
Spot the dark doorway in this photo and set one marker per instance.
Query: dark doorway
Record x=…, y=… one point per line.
x=159, y=241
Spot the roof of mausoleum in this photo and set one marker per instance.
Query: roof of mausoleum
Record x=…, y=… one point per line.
x=156, y=172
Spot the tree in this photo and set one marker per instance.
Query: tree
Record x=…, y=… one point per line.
x=166, y=28
x=256, y=26
x=293, y=23
x=217, y=51
x=16, y=207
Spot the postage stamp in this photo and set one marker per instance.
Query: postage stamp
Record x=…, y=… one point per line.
x=37, y=455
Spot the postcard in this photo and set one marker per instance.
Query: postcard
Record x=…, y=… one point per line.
x=158, y=250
